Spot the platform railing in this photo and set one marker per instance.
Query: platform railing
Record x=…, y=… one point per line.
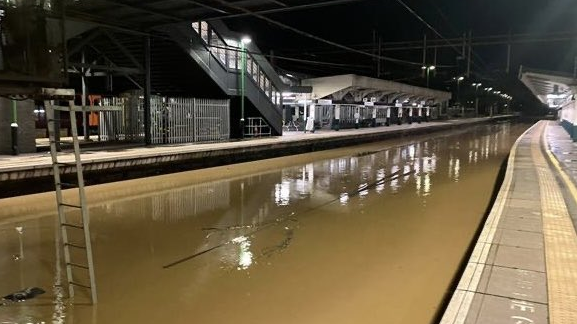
x=256, y=127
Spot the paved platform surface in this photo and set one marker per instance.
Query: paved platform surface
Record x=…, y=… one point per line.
x=524, y=265
x=28, y=166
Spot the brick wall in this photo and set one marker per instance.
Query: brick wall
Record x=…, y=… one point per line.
x=26, y=126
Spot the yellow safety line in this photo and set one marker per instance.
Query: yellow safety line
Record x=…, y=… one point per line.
x=560, y=239
x=570, y=185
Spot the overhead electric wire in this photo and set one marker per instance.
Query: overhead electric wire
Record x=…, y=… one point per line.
x=414, y=13
x=286, y=58
x=446, y=19
x=317, y=38
x=287, y=9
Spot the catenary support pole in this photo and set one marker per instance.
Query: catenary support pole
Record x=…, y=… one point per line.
x=147, y=90
x=470, y=51
x=83, y=101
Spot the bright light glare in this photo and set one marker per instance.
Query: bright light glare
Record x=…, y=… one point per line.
x=556, y=96
x=461, y=78
x=246, y=40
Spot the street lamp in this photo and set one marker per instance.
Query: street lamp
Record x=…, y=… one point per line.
x=243, y=42
x=477, y=85
x=459, y=79
x=428, y=69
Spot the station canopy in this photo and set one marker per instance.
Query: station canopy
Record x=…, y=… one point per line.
x=355, y=88
x=552, y=88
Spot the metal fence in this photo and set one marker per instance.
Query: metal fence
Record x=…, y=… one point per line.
x=113, y=123
x=188, y=120
x=172, y=120
x=212, y=120
x=256, y=127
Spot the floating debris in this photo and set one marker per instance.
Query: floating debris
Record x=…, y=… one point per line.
x=24, y=295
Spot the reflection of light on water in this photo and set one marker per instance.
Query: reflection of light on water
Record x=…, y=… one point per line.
x=244, y=256
x=310, y=169
x=418, y=184
x=380, y=177
x=417, y=167
x=406, y=170
x=457, y=170
x=363, y=191
x=282, y=193
x=342, y=165
x=412, y=152
x=344, y=198
x=395, y=182
x=427, y=185
x=430, y=164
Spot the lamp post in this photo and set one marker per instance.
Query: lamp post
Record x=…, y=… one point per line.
x=459, y=80
x=14, y=129
x=428, y=69
x=243, y=42
x=477, y=85
x=489, y=91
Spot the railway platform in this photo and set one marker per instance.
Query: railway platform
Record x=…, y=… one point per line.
x=523, y=268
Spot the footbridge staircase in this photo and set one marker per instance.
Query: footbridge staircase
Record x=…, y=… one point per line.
x=218, y=51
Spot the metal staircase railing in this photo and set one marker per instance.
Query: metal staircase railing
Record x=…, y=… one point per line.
x=256, y=127
x=222, y=61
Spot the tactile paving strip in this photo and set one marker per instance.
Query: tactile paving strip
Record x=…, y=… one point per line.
x=560, y=241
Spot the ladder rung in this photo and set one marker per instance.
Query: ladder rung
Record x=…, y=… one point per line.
x=77, y=265
x=71, y=206
x=51, y=120
x=68, y=185
x=62, y=142
x=79, y=285
x=73, y=225
x=75, y=246
x=67, y=163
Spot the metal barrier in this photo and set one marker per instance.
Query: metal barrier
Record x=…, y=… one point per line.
x=212, y=120
x=111, y=126
x=173, y=120
x=324, y=115
x=256, y=127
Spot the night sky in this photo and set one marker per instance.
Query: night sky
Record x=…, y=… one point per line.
x=353, y=25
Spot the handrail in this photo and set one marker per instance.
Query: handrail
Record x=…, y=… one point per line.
x=270, y=91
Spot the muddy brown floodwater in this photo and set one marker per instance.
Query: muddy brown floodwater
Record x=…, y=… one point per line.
x=368, y=234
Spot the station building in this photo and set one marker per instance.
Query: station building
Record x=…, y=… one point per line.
x=190, y=82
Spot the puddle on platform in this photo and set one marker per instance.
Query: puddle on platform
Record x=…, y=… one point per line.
x=370, y=234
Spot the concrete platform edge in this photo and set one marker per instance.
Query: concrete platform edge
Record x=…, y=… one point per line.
x=461, y=301
x=117, y=168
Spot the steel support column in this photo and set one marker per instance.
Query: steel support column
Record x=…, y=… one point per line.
x=147, y=90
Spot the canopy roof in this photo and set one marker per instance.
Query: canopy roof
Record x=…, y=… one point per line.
x=356, y=88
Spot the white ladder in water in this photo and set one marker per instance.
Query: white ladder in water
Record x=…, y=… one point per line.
x=66, y=223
